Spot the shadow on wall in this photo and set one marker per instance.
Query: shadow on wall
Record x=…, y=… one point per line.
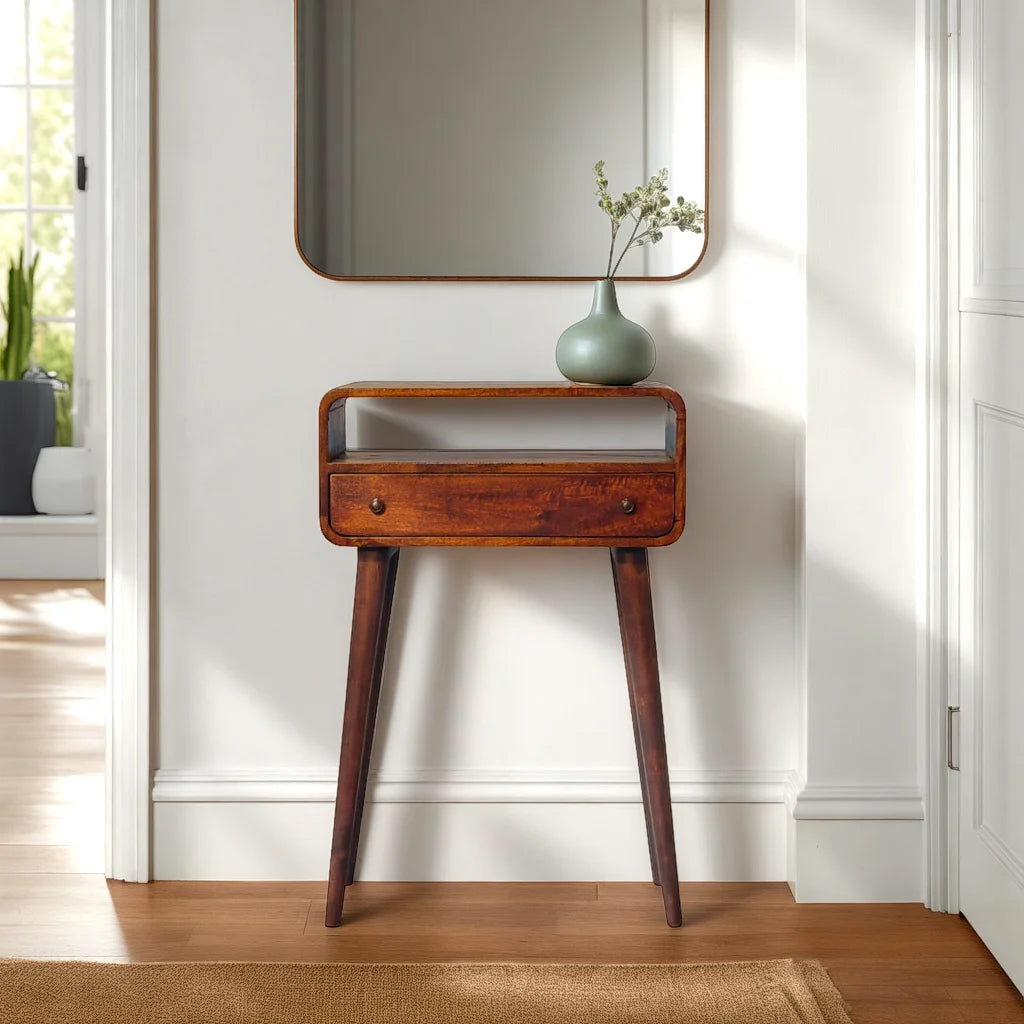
x=725, y=604
x=720, y=619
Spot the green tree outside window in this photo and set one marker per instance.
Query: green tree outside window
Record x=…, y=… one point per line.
x=36, y=193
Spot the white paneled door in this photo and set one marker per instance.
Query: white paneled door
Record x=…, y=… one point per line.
x=991, y=259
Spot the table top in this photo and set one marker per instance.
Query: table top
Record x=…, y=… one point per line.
x=499, y=389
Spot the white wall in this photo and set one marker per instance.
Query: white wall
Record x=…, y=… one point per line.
x=493, y=652
x=676, y=95
x=860, y=754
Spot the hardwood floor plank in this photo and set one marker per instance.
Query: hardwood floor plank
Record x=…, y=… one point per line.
x=167, y=890
x=16, y=858
x=71, y=939
x=918, y=971
x=991, y=994
x=992, y=1013
x=52, y=726
x=870, y=1012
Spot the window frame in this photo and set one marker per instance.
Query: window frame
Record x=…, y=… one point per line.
x=88, y=410
x=86, y=209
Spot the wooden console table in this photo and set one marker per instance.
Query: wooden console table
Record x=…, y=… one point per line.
x=382, y=500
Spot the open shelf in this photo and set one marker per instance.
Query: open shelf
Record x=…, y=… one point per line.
x=399, y=460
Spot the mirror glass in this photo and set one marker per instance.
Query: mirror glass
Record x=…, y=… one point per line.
x=457, y=138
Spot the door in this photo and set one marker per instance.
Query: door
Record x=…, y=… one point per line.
x=991, y=325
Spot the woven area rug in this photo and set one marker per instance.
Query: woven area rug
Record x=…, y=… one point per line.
x=761, y=992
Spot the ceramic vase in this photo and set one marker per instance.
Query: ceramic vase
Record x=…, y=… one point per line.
x=26, y=425
x=64, y=483
x=605, y=348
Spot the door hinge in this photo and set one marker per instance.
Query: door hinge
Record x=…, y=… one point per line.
x=82, y=172
x=950, y=711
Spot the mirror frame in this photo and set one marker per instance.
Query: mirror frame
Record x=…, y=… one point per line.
x=337, y=277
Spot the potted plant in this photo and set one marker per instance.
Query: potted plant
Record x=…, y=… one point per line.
x=606, y=348
x=27, y=414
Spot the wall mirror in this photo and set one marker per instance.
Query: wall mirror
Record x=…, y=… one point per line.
x=456, y=138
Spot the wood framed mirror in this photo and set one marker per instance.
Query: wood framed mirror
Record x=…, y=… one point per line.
x=456, y=139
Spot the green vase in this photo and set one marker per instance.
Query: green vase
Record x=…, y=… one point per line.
x=605, y=348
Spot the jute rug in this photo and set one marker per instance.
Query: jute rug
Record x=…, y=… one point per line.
x=761, y=992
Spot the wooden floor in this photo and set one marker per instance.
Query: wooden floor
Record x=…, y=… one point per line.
x=52, y=715
x=892, y=962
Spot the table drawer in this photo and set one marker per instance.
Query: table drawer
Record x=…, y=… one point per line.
x=502, y=505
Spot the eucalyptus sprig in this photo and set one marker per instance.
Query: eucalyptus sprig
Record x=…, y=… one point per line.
x=649, y=208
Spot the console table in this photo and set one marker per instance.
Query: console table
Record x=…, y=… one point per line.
x=380, y=501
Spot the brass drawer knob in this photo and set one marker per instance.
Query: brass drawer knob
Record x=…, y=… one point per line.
x=377, y=506
x=628, y=506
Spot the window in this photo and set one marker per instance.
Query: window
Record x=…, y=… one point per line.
x=38, y=176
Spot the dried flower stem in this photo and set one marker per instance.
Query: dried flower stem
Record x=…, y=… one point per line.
x=629, y=245
x=646, y=204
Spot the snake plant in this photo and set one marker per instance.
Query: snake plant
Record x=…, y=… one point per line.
x=17, y=311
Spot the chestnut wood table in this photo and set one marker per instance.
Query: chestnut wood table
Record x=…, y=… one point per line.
x=382, y=500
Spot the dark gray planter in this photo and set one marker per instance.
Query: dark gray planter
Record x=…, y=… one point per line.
x=27, y=423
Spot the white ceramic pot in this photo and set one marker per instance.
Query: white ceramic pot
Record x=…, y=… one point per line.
x=64, y=482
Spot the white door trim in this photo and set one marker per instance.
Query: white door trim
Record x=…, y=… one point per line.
x=952, y=435
x=936, y=438
x=128, y=439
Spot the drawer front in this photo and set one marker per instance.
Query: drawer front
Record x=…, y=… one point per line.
x=500, y=505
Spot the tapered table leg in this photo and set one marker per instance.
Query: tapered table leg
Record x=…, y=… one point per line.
x=636, y=729
x=373, y=568
x=636, y=618
x=371, y=714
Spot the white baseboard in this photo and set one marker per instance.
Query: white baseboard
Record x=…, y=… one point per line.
x=466, y=842
x=833, y=844
x=50, y=548
x=466, y=825
x=854, y=844
x=878, y=861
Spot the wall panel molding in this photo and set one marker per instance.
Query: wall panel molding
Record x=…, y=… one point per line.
x=452, y=785
x=856, y=803
x=991, y=156
x=524, y=785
